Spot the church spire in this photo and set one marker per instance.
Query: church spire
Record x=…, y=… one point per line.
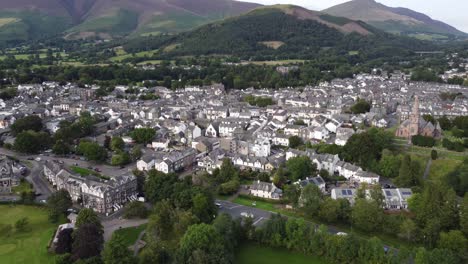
x=416, y=106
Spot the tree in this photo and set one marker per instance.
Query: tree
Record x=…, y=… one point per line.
x=408, y=229
x=33, y=123
x=117, y=144
x=455, y=241
x=31, y=142
x=366, y=148
x=410, y=173
x=61, y=148
x=300, y=167
x=120, y=158
x=464, y=215
x=434, y=154
x=367, y=215
x=64, y=241
x=88, y=216
x=311, y=199
x=204, y=207
x=136, y=152
x=292, y=192
x=330, y=210
x=389, y=164
x=143, y=135
x=88, y=241
x=295, y=142
x=202, y=244
x=362, y=106
x=21, y=224
x=116, y=251
x=92, y=151
x=159, y=186
x=58, y=204
x=135, y=209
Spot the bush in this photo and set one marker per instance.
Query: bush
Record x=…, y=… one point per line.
x=22, y=224
x=423, y=141
x=434, y=154
x=135, y=210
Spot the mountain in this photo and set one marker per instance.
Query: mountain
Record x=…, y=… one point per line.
x=22, y=20
x=394, y=20
x=281, y=30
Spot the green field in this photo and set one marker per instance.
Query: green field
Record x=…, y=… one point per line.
x=251, y=253
x=131, y=234
x=86, y=172
x=441, y=167
x=28, y=246
x=122, y=55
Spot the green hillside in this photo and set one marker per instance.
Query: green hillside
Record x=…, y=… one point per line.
x=301, y=33
x=116, y=22
x=16, y=27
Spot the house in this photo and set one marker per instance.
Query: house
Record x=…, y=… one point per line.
x=342, y=135
x=367, y=177
x=260, y=148
x=344, y=193
x=318, y=181
x=281, y=140
x=212, y=130
x=266, y=190
x=396, y=199
x=146, y=162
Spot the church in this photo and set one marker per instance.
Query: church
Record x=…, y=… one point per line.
x=416, y=125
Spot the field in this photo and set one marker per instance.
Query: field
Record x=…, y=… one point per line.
x=122, y=55
x=28, y=246
x=131, y=234
x=441, y=167
x=86, y=172
x=257, y=254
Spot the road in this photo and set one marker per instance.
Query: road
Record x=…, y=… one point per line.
x=112, y=225
x=35, y=175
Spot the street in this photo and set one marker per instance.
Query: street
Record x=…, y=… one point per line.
x=235, y=211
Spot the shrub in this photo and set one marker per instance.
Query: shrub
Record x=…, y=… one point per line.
x=423, y=141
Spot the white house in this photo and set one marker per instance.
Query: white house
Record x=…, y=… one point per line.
x=266, y=190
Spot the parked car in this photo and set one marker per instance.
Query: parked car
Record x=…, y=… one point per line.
x=246, y=214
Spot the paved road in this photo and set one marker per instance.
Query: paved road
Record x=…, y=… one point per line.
x=235, y=211
x=40, y=184
x=110, y=226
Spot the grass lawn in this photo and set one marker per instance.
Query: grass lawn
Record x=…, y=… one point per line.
x=29, y=246
x=442, y=167
x=86, y=172
x=24, y=186
x=131, y=234
x=259, y=204
x=251, y=253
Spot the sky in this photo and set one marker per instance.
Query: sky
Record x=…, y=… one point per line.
x=452, y=12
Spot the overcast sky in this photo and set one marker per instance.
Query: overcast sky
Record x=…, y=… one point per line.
x=453, y=12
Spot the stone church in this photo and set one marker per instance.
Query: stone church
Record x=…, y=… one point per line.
x=416, y=125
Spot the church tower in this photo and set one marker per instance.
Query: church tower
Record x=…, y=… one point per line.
x=414, y=118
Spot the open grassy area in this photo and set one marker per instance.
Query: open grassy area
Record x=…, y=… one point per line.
x=122, y=55
x=86, y=172
x=442, y=167
x=251, y=253
x=131, y=234
x=258, y=204
x=28, y=246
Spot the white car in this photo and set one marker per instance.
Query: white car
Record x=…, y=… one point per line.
x=245, y=214
x=341, y=234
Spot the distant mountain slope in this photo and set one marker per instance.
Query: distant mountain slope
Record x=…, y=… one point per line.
x=394, y=20
x=108, y=18
x=281, y=30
